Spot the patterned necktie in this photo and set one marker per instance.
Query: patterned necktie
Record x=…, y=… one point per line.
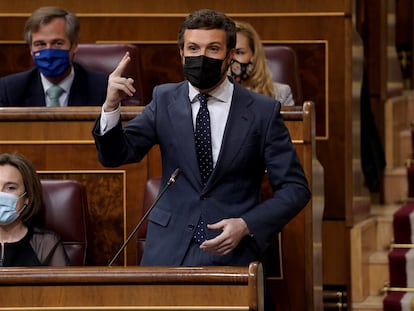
x=54, y=93
x=203, y=139
x=204, y=154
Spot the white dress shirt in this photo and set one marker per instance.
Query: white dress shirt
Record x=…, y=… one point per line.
x=218, y=106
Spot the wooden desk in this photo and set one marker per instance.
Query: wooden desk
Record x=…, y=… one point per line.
x=132, y=288
x=59, y=143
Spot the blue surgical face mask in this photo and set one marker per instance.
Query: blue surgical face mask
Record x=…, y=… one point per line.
x=52, y=62
x=8, y=203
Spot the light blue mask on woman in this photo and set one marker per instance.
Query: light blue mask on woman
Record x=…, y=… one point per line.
x=8, y=203
x=51, y=62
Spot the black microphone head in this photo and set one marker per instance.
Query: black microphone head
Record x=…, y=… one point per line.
x=174, y=175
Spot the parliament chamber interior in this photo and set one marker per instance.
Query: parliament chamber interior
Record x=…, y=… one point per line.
x=349, y=66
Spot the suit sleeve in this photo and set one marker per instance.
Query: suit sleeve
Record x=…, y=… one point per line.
x=128, y=144
x=287, y=179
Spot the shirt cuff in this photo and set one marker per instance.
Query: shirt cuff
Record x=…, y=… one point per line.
x=109, y=119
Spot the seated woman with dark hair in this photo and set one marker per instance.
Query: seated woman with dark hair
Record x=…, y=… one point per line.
x=21, y=203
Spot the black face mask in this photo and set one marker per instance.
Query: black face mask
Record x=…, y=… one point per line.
x=240, y=71
x=203, y=72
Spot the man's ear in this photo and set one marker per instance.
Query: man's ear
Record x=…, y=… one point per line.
x=73, y=50
x=74, y=47
x=182, y=56
x=230, y=55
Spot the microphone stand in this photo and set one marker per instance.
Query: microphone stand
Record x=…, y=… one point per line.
x=172, y=180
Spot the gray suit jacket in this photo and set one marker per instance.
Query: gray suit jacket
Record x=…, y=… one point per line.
x=283, y=94
x=255, y=140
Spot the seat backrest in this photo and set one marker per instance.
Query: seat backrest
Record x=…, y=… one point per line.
x=283, y=64
x=152, y=187
x=66, y=213
x=105, y=58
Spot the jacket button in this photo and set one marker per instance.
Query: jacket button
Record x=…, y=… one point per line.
x=191, y=227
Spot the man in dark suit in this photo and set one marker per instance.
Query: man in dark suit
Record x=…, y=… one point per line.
x=248, y=137
x=52, y=34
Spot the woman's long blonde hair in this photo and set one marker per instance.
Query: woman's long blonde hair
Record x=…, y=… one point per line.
x=260, y=78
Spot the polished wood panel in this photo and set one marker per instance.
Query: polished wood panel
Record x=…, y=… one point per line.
x=158, y=68
x=294, y=264
x=132, y=288
x=177, y=6
x=404, y=40
x=281, y=21
x=323, y=80
x=106, y=206
x=59, y=143
x=320, y=23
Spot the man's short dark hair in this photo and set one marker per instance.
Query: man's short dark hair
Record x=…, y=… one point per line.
x=209, y=19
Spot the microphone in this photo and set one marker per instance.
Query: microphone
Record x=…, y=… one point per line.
x=172, y=180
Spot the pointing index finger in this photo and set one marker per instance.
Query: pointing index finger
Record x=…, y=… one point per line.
x=119, y=70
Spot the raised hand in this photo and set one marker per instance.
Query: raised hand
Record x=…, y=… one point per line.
x=118, y=86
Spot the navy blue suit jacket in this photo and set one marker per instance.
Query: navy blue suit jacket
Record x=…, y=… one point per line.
x=24, y=89
x=255, y=140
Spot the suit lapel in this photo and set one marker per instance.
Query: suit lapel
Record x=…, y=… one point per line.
x=181, y=118
x=237, y=127
x=35, y=90
x=77, y=94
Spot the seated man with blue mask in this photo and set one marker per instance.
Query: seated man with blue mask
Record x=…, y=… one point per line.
x=52, y=34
